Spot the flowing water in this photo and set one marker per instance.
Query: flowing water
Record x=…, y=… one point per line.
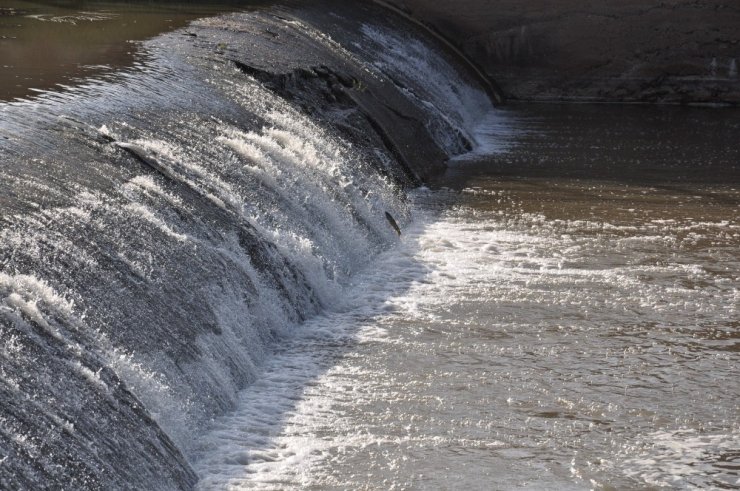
x=562, y=314
x=199, y=285
x=164, y=229
x=54, y=44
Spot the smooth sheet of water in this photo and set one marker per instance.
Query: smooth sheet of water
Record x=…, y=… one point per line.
x=562, y=315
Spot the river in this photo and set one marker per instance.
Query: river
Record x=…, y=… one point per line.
x=48, y=45
x=562, y=314
x=200, y=287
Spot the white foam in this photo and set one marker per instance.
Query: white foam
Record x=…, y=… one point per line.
x=684, y=458
x=299, y=425
x=254, y=446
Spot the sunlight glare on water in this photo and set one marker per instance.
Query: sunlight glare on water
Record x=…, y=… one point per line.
x=538, y=333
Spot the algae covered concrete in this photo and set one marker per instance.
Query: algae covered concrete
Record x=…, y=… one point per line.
x=603, y=50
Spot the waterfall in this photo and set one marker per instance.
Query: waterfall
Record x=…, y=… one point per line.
x=164, y=228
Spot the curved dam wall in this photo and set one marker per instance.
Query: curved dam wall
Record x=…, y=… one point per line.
x=607, y=50
x=161, y=229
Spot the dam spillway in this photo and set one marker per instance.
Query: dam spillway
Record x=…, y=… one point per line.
x=203, y=284
x=162, y=228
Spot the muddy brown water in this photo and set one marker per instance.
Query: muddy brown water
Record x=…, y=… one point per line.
x=566, y=309
x=45, y=45
x=568, y=319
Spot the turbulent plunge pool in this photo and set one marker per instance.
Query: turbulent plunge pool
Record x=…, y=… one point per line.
x=561, y=314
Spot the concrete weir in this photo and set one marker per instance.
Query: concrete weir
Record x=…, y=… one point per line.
x=163, y=229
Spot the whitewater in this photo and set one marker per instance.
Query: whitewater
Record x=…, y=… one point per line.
x=165, y=229
x=200, y=287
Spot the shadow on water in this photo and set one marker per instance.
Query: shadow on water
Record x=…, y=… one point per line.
x=678, y=149
x=241, y=447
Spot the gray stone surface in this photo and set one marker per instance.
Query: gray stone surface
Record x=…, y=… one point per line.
x=673, y=51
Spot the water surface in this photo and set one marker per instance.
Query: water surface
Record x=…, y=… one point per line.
x=48, y=44
x=563, y=314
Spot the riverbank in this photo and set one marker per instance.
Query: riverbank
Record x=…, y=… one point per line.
x=674, y=52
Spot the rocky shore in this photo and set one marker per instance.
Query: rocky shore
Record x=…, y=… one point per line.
x=676, y=52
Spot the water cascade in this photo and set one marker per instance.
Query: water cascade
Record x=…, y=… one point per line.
x=161, y=230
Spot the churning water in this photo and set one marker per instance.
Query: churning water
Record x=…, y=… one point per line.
x=531, y=331
x=199, y=285
x=164, y=230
